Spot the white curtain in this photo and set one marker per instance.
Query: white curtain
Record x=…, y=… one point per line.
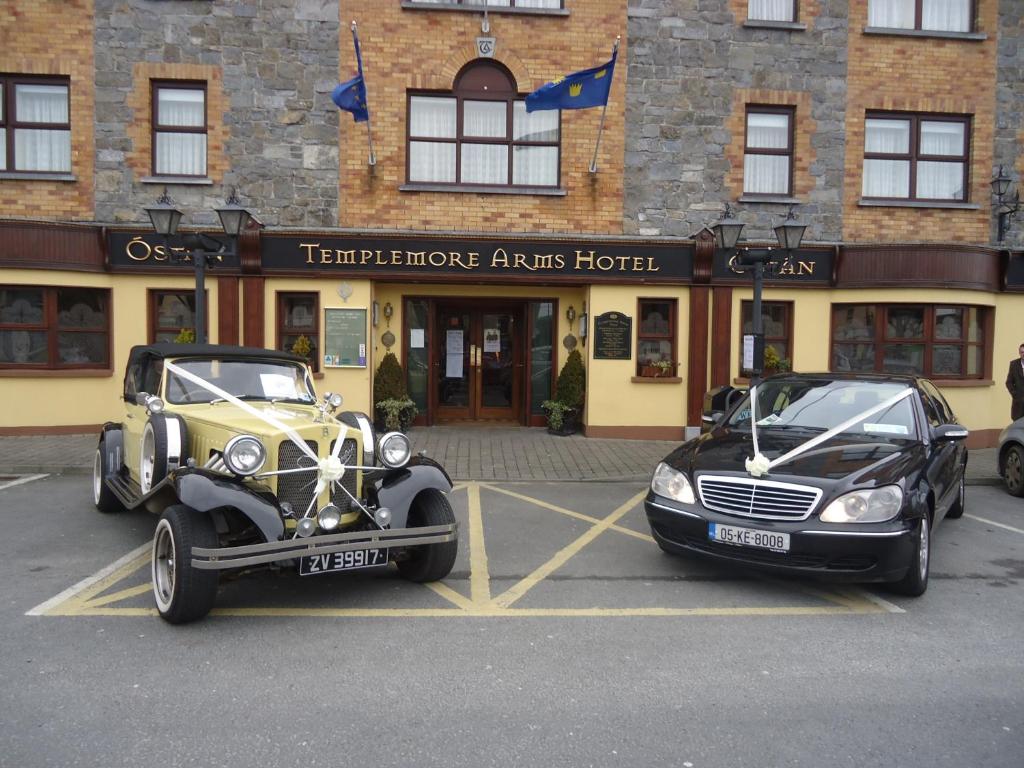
x=770, y=10
x=941, y=180
x=432, y=117
x=38, y=149
x=535, y=166
x=893, y=14
x=942, y=138
x=886, y=178
x=534, y=126
x=946, y=15
x=485, y=119
x=537, y=3
x=766, y=174
x=484, y=164
x=432, y=161
x=181, y=154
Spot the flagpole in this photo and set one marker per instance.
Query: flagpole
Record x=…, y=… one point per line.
x=369, y=133
x=604, y=111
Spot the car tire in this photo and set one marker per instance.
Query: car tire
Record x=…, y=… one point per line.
x=102, y=496
x=915, y=582
x=430, y=562
x=164, y=447
x=182, y=593
x=1013, y=470
x=957, y=510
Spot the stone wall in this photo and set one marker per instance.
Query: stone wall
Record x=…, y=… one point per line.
x=693, y=68
x=1009, y=134
x=269, y=65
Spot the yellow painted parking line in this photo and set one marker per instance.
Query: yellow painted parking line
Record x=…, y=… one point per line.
x=72, y=593
x=449, y=594
x=21, y=481
x=993, y=522
x=479, y=575
x=516, y=592
x=567, y=512
x=123, y=594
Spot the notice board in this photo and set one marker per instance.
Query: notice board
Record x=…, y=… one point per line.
x=345, y=338
x=613, y=336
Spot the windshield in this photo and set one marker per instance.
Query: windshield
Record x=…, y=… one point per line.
x=820, y=405
x=245, y=379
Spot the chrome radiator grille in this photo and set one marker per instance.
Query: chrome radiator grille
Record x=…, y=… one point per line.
x=348, y=481
x=297, y=489
x=765, y=499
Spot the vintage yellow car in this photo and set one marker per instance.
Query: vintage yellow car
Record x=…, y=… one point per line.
x=247, y=467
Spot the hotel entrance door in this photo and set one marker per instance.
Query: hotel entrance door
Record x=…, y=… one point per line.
x=478, y=362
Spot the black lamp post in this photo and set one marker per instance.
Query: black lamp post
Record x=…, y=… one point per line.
x=1006, y=205
x=202, y=249
x=727, y=234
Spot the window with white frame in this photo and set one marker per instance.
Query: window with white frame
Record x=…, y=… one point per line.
x=35, y=124
x=179, y=129
x=915, y=157
x=771, y=10
x=925, y=15
x=481, y=134
x=768, y=153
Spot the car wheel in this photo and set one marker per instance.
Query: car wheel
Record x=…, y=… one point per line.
x=916, y=581
x=957, y=510
x=1013, y=470
x=182, y=593
x=430, y=562
x=164, y=447
x=102, y=496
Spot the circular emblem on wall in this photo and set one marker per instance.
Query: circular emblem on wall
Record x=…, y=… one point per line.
x=388, y=339
x=569, y=342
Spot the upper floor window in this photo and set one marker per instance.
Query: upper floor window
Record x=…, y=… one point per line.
x=482, y=134
x=935, y=341
x=54, y=327
x=771, y=10
x=656, y=338
x=915, y=157
x=497, y=3
x=35, y=125
x=928, y=15
x=768, y=152
x=179, y=129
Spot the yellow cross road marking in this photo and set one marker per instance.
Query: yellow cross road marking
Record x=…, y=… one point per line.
x=90, y=597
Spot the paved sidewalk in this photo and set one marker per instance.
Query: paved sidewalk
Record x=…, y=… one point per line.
x=466, y=452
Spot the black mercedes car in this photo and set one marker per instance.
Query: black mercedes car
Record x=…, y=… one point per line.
x=843, y=476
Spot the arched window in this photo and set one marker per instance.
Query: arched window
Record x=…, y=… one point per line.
x=481, y=134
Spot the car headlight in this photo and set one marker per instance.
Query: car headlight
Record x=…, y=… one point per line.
x=244, y=455
x=869, y=506
x=394, y=450
x=329, y=517
x=672, y=484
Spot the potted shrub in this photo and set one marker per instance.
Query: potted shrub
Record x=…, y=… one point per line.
x=773, y=363
x=303, y=347
x=565, y=410
x=185, y=336
x=392, y=408
x=658, y=369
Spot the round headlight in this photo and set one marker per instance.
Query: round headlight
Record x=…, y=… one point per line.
x=244, y=455
x=334, y=400
x=154, y=405
x=306, y=527
x=329, y=517
x=394, y=450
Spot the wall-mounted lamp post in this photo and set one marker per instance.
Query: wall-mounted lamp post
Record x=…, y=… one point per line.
x=727, y=234
x=1006, y=205
x=201, y=248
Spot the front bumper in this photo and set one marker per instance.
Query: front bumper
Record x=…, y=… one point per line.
x=870, y=552
x=221, y=558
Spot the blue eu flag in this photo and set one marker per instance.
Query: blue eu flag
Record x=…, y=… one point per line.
x=580, y=90
x=351, y=95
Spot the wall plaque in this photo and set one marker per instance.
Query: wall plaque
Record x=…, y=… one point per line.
x=613, y=336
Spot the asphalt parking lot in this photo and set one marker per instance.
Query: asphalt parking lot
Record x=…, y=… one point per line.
x=563, y=636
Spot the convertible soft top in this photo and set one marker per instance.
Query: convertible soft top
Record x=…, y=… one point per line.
x=167, y=349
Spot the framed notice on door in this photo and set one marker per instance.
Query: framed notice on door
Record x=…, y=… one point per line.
x=345, y=338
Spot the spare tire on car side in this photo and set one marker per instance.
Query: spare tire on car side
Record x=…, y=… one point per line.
x=164, y=448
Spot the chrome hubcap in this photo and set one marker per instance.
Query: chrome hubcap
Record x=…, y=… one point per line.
x=97, y=477
x=1014, y=471
x=147, y=462
x=163, y=565
x=922, y=551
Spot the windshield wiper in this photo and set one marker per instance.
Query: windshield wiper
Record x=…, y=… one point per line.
x=792, y=426
x=299, y=400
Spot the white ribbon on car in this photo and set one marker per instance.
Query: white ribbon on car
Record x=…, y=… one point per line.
x=760, y=464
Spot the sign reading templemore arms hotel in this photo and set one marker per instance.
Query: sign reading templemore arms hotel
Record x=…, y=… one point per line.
x=412, y=256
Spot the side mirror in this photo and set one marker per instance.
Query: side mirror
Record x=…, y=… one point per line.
x=709, y=420
x=949, y=433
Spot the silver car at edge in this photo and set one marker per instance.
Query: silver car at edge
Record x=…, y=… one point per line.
x=1011, y=457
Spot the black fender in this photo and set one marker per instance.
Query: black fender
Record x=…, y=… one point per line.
x=206, y=491
x=398, y=487
x=112, y=440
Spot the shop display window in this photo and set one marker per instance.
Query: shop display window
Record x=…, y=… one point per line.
x=54, y=328
x=778, y=328
x=941, y=342
x=298, y=325
x=656, y=339
x=172, y=315
x=35, y=125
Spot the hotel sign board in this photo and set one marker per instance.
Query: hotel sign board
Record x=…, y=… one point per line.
x=133, y=250
x=804, y=266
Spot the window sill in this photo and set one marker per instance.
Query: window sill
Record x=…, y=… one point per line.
x=450, y=6
x=896, y=32
x=794, y=26
x=918, y=204
x=656, y=380
x=770, y=199
x=18, y=176
x=477, y=190
x=956, y=383
x=56, y=373
x=198, y=181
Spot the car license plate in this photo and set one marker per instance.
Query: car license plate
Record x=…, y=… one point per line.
x=748, y=537
x=342, y=561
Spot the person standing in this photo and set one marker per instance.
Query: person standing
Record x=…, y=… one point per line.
x=1015, y=384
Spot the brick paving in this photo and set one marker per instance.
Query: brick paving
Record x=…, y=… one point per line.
x=466, y=452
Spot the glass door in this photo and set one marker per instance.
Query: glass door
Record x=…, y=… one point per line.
x=498, y=367
x=455, y=352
